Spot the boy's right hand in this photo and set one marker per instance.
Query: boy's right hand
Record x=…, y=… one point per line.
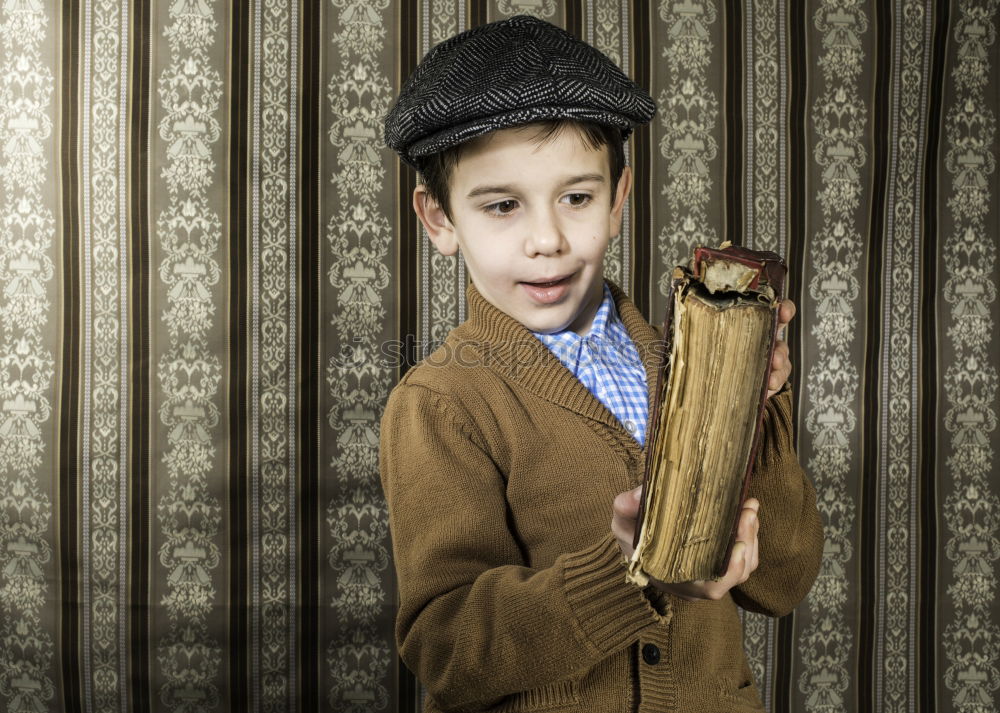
x=742, y=562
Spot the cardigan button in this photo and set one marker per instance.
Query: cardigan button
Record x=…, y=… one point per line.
x=651, y=654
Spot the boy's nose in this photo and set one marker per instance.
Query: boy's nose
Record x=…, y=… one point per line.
x=545, y=238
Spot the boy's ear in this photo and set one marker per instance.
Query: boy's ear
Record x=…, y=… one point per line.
x=432, y=215
x=621, y=195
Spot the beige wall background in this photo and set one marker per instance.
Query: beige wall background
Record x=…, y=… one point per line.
x=210, y=279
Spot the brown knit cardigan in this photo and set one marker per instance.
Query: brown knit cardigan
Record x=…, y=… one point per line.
x=500, y=468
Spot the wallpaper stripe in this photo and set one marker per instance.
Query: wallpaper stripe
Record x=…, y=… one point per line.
x=627, y=237
x=733, y=118
x=691, y=135
x=899, y=366
x=870, y=655
x=28, y=607
x=125, y=51
x=573, y=14
x=796, y=33
x=312, y=424
x=970, y=378
x=743, y=22
x=781, y=219
x=443, y=277
x=88, y=360
x=478, y=12
x=837, y=130
x=241, y=688
x=358, y=236
x=68, y=550
x=104, y=461
x=784, y=687
x=140, y=511
x=927, y=656
x=274, y=337
x=606, y=28
x=412, y=251
x=188, y=231
x=760, y=68
x=411, y=238
x=642, y=141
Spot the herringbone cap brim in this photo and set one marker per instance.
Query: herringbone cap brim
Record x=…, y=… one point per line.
x=504, y=74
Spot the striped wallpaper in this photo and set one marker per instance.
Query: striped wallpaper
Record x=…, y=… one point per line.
x=210, y=279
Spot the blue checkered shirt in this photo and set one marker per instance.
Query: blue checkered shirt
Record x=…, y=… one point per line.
x=608, y=364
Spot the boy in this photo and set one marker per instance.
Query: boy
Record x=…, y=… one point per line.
x=506, y=454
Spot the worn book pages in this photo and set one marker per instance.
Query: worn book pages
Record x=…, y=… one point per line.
x=704, y=428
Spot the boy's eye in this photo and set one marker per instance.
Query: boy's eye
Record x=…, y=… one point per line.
x=502, y=207
x=578, y=199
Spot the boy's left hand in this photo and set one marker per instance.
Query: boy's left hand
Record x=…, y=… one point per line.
x=781, y=364
x=743, y=560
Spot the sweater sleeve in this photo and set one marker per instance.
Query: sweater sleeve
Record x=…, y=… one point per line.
x=475, y=623
x=791, y=533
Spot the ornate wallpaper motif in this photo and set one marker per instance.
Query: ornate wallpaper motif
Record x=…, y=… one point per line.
x=443, y=278
x=275, y=345
x=765, y=108
x=104, y=420
x=764, y=179
x=971, y=640
x=28, y=678
x=545, y=9
x=898, y=465
x=687, y=114
x=189, y=230
x=839, y=120
x=359, y=238
x=197, y=213
x=607, y=30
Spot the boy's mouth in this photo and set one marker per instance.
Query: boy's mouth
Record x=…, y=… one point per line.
x=548, y=283
x=548, y=291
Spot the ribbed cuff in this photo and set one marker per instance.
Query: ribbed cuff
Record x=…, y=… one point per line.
x=777, y=439
x=778, y=415
x=610, y=610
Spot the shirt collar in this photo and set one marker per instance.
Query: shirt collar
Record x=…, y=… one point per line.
x=601, y=329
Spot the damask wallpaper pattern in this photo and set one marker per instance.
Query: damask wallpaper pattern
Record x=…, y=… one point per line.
x=211, y=279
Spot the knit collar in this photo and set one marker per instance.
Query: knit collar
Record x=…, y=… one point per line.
x=509, y=348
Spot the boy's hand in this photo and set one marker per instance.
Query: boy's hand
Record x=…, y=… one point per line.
x=742, y=562
x=781, y=365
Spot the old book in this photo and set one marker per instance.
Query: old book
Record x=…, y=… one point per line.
x=718, y=338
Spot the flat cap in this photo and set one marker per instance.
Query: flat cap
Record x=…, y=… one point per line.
x=508, y=73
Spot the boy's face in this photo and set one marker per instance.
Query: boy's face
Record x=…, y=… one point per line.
x=532, y=220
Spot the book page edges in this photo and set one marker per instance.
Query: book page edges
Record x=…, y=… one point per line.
x=674, y=369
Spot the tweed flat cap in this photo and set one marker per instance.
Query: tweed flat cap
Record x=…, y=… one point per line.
x=508, y=73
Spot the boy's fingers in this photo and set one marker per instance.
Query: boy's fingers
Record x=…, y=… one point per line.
x=746, y=535
x=746, y=531
x=737, y=567
x=627, y=504
x=753, y=551
x=786, y=312
x=743, y=560
x=751, y=509
x=625, y=509
x=623, y=535
x=780, y=357
x=781, y=368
